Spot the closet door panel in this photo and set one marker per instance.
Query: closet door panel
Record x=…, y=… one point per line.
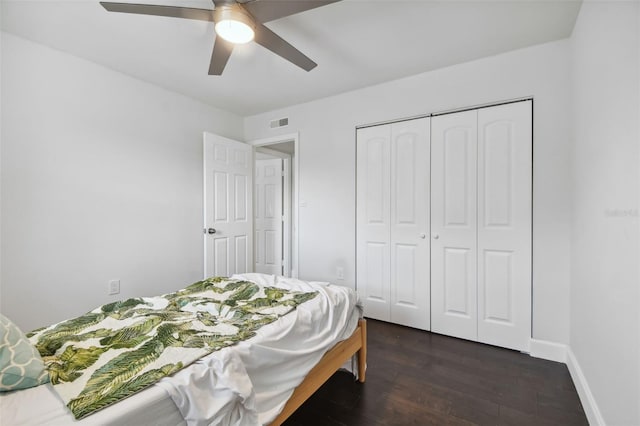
x=373, y=220
x=457, y=280
x=504, y=225
x=453, y=224
x=410, y=249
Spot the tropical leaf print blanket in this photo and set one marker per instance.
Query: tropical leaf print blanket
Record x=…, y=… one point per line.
x=123, y=347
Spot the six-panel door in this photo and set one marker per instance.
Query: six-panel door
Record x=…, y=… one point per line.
x=268, y=216
x=228, y=206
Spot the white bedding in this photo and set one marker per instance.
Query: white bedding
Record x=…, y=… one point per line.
x=246, y=384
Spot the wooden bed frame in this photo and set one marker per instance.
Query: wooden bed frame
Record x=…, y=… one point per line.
x=329, y=364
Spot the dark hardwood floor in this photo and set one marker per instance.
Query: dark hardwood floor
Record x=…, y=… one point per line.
x=420, y=378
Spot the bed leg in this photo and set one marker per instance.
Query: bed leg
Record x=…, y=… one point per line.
x=362, y=353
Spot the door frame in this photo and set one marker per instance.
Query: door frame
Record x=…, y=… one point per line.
x=293, y=195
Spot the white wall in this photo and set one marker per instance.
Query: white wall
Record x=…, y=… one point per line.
x=101, y=179
x=0, y=163
x=605, y=305
x=327, y=161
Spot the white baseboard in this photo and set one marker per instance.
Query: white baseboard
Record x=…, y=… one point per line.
x=584, y=392
x=562, y=353
x=548, y=350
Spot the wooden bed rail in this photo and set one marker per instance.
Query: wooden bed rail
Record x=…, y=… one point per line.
x=329, y=364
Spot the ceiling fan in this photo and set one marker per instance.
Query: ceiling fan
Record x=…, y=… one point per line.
x=236, y=22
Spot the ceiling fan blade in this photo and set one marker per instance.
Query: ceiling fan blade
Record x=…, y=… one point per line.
x=272, y=41
x=150, y=9
x=221, y=51
x=270, y=10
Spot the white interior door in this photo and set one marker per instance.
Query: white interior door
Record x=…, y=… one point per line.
x=373, y=220
x=409, y=228
x=504, y=225
x=228, y=206
x=268, y=216
x=453, y=224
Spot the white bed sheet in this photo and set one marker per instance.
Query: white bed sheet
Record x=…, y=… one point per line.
x=246, y=384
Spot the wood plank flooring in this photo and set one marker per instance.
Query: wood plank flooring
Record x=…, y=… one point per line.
x=420, y=378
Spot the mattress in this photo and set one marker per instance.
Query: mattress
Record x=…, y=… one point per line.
x=246, y=384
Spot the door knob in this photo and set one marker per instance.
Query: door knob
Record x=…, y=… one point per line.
x=423, y=236
x=211, y=231
x=436, y=236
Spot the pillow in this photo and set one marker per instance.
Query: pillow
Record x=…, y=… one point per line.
x=20, y=364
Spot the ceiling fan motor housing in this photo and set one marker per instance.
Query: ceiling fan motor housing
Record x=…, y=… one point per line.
x=233, y=12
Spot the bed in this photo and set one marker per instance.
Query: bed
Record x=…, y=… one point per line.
x=258, y=381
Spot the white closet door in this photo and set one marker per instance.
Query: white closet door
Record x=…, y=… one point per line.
x=453, y=224
x=373, y=220
x=410, y=302
x=504, y=225
x=268, y=216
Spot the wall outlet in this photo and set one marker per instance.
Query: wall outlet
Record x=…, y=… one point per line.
x=340, y=273
x=114, y=286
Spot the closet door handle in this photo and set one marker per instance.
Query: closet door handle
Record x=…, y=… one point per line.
x=422, y=235
x=436, y=236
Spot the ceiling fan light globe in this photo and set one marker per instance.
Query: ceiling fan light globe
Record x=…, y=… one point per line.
x=233, y=31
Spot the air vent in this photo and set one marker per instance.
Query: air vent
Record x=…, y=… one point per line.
x=279, y=123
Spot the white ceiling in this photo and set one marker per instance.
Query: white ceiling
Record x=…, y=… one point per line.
x=356, y=43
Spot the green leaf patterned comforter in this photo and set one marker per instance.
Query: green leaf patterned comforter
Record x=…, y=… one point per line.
x=123, y=347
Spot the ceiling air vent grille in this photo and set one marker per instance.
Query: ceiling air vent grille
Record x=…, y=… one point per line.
x=282, y=122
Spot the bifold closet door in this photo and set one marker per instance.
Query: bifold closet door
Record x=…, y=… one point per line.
x=481, y=225
x=453, y=225
x=504, y=225
x=393, y=222
x=373, y=260
x=410, y=302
